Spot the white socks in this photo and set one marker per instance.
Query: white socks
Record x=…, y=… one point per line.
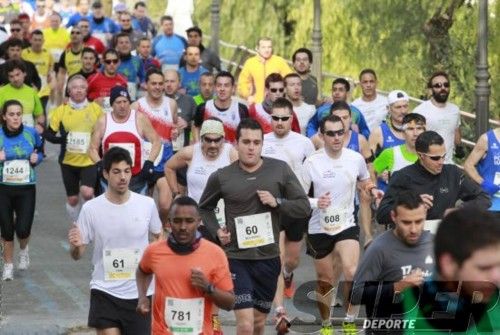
x=73, y=212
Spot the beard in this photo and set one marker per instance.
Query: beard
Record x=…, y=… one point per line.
x=440, y=97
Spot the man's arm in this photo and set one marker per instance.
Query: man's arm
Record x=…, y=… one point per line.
x=223, y=299
x=367, y=155
x=295, y=202
x=95, y=140
x=176, y=162
x=76, y=246
x=375, y=141
x=245, y=81
x=479, y=151
x=150, y=134
x=143, y=280
x=471, y=193
x=396, y=186
x=208, y=202
x=458, y=136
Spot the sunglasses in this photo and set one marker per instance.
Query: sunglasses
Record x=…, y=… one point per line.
x=434, y=158
x=111, y=61
x=274, y=90
x=75, y=33
x=282, y=118
x=180, y=220
x=212, y=140
x=440, y=85
x=15, y=30
x=333, y=133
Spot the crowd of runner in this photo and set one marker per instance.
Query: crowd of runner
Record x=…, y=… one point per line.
x=212, y=185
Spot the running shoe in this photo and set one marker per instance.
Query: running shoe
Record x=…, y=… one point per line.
x=326, y=330
x=289, y=290
x=282, y=322
x=8, y=272
x=349, y=328
x=216, y=325
x=24, y=259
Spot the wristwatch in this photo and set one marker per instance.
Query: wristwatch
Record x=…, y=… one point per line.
x=279, y=201
x=210, y=289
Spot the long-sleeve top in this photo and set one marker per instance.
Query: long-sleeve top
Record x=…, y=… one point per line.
x=447, y=188
x=239, y=188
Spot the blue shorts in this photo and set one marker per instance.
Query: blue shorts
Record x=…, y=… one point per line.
x=255, y=282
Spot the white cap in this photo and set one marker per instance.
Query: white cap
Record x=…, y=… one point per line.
x=397, y=95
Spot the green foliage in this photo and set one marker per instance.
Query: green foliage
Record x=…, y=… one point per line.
x=386, y=35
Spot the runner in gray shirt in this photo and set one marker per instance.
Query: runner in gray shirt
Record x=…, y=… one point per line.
x=256, y=190
x=397, y=259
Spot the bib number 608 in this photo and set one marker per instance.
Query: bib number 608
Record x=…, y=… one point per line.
x=332, y=218
x=251, y=230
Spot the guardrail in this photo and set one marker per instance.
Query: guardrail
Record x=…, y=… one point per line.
x=241, y=53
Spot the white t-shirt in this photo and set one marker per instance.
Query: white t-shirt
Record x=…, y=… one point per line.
x=443, y=121
x=374, y=111
x=304, y=113
x=337, y=176
x=293, y=149
x=111, y=227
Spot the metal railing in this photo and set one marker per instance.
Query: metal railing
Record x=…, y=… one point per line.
x=241, y=53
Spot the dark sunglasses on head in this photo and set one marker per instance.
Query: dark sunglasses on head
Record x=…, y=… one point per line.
x=333, y=133
x=212, y=140
x=282, y=118
x=434, y=158
x=274, y=90
x=15, y=29
x=111, y=61
x=439, y=85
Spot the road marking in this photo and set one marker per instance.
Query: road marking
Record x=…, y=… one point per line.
x=64, y=245
x=72, y=291
x=41, y=295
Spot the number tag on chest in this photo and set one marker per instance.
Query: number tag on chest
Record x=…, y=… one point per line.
x=16, y=171
x=120, y=264
x=333, y=220
x=254, y=230
x=184, y=316
x=78, y=142
x=220, y=213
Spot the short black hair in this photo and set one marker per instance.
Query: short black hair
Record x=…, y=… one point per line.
x=14, y=64
x=110, y=52
x=184, y=201
x=248, y=124
x=166, y=18
x=365, y=71
x=283, y=103
x=426, y=139
x=408, y=199
x=303, y=50
x=340, y=105
x=14, y=42
x=342, y=81
x=437, y=74
x=90, y=50
x=464, y=231
x=116, y=155
x=414, y=117
x=37, y=32
x=140, y=4
x=291, y=75
x=153, y=70
x=329, y=118
x=194, y=29
x=274, y=78
x=225, y=74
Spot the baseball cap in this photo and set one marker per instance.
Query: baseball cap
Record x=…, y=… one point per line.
x=121, y=7
x=116, y=92
x=212, y=127
x=397, y=95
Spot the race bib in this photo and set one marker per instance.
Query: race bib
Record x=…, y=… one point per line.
x=120, y=264
x=184, y=316
x=16, y=171
x=333, y=220
x=496, y=181
x=130, y=147
x=147, y=150
x=254, y=230
x=77, y=142
x=220, y=213
x=431, y=225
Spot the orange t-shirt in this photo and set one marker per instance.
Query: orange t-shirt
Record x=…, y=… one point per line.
x=173, y=278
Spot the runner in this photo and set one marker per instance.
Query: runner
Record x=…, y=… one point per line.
x=191, y=276
x=118, y=222
x=292, y=148
x=162, y=113
x=483, y=166
x=256, y=191
x=334, y=173
x=128, y=129
x=74, y=122
x=223, y=106
x=20, y=152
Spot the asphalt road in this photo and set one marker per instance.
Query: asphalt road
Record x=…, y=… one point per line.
x=52, y=296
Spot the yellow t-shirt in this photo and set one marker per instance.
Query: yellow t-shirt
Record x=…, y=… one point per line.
x=55, y=40
x=44, y=63
x=78, y=124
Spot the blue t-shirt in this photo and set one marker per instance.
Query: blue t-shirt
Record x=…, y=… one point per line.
x=191, y=80
x=75, y=18
x=20, y=147
x=168, y=49
x=106, y=26
x=132, y=69
x=489, y=166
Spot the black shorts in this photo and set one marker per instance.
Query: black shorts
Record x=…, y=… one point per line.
x=255, y=282
x=107, y=311
x=321, y=245
x=156, y=175
x=294, y=228
x=182, y=176
x=74, y=177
